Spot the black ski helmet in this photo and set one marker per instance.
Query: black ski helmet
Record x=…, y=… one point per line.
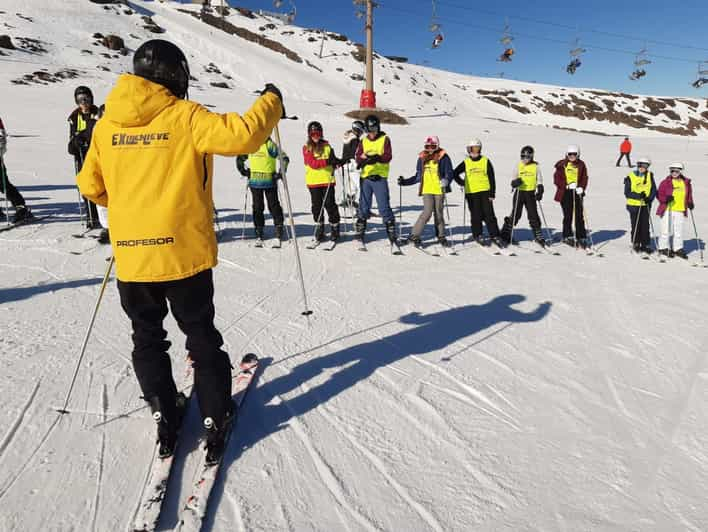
x=527, y=150
x=313, y=127
x=83, y=90
x=163, y=63
x=359, y=127
x=373, y=124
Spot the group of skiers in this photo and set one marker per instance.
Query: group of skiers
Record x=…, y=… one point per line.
x=160, y=211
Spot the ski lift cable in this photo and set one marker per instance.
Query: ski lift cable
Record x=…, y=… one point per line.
x=476, y=9
x=588, y=46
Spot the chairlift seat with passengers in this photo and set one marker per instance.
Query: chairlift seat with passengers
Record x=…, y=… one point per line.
x=506, y=56
x=573, y=66
x=699, y=83
x=437, y=41
x=637, y=74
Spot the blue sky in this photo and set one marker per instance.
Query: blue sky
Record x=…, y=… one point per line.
x=472, y=31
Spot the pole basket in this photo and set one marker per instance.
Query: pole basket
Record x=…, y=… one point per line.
x=367, y=99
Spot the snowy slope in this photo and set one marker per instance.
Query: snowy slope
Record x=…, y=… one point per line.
x=460, y=393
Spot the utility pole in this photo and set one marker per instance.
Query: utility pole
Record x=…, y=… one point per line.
x=368, y=96
x=322, y=43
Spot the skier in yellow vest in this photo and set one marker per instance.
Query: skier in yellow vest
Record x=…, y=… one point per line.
x=527, y=183
x=262, y=181
x=433, y=174
x=320, y=163
x=476, y=174
x=675, y=196
x=151, y=163
x=571, y=180
x=640, y=191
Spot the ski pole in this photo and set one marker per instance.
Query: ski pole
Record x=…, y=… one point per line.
x=320, y=218
x=464, y=218
x=695, y=230
x=400, y=211
x=63, y=409
x=4, y=189
x=545, y=224
x=573, y=222
x=243, y=216
x=586, y=219
x=307, y=310
x=78, y=191
x=654, y=237
x=447, y=213
x=513, y=216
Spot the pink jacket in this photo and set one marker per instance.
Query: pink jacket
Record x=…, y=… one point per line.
x=666, y=188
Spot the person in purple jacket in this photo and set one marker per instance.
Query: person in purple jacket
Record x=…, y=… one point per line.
x=434, y=173
x=675, y=199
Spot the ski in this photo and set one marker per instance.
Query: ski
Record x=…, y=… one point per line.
x=194, y=510
x=313, y=244
x=395, y=248
x=28, y=221
x=329, y=246
x=155, y=487
x=361, y=246
x=277, y=244
x=259, y=243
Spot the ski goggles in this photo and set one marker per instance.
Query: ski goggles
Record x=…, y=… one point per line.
x=643, y=165
x=430, y=147
x=527, y=156
x=674, y=171
x=473, y=149
x=82, y=99
x=315, y=135
x=572, y=154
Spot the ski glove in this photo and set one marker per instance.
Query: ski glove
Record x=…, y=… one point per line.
x=579, y=191
x=444, y=183
x=644, y=196
x=516, y=183
x=539, y=192
x=274, y=90
x=669, y=199
x=372, y=159
x=690, y=206
x=572, y=186
x=400, y=180
x=277, y=176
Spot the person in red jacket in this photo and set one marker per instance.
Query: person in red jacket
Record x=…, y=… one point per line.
x=625, y=151
x=571, y=180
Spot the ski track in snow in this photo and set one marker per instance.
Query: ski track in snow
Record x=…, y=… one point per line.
x=15, y=426
x=101, y=457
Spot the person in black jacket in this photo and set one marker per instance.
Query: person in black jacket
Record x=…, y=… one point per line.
x=476, y=174
x=81, y=123
x=22, y=212
x=351, y=174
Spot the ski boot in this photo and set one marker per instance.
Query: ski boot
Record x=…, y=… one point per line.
x=319, y=232
x=538, y=238
x=279, y=232
x=583, y=243
x=681, y=254
x=666, y=252
x=216, y=437
x=334, y=233
x=505, y=233
x=646, y=249
x=497, y=241
x=391, y=231
x=104, y=237
x=444, y=242
x=259, y=232
x=360, y=229
x=22, y=214
x=569, y=241
x=637, y=248
x=479, y=240
x=416, y=241
x=169, y=420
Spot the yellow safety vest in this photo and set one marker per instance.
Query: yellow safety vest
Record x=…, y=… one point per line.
x=571, y=173
x=261, y=161
x=374, y=147
x=639, y=184
x=476, y=178
x=528, y=176
x=679, y=194
x=80, y=123
x=431, y=178
x=320, y=176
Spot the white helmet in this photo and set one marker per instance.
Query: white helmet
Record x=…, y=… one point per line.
x=644, y=160
x=475, y=142
x=676, y=166
x=573, y=149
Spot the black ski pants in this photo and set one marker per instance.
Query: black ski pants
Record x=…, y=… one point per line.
x=640, y=226
x=324, y=196
x=482, y=210
x=7, y=188
x=622, y=156
x=526, y=199
x=191, y=301
x=271, y=196
x=573, y=203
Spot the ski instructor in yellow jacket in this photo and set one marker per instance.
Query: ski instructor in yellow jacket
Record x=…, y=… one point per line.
x=150, y=163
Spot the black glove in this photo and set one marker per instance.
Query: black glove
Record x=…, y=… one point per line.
x=516, y=183
x=539, y=192
x=690, y=206
x=400, y=180
x=644, y=196
x=270, y=88
x=277, y=175
x=669, y=199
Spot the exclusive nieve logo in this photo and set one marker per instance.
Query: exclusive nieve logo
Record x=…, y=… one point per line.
x=144, y=139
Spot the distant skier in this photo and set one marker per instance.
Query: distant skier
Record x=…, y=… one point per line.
x=433, y=174
x=675, y=200
x=82, y=120
x=373, y=157
x=22, y=212
x=320, y=163
x=625, y=152
x=527, y=183
x=352, y=175
x=151, y=164
x=262, y=181
x=476, y=175
x=640, y=191
x=571, y=180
